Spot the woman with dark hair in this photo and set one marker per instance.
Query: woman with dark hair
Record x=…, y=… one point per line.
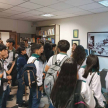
x=20, y=62
x=74, y=45
x=37, y=50
x=79, y=55
x=90, y=73
x=48, y=51
x=65, y=85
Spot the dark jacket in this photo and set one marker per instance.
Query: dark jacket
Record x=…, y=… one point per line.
x=21, y=61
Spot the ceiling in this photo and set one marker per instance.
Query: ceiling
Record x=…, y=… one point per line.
x=32, y=10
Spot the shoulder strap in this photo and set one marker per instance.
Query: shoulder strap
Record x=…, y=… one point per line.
x=91, y=78
x=62, y=61
x=78, y=86
x=54, y=59
x=34, y=60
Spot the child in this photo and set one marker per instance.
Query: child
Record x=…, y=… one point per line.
x=90, y=73
x=21, y=61
x=65, y=85
x=36, y=49
x=4, y=78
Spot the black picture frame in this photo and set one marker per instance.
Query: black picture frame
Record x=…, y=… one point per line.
x=97, y=49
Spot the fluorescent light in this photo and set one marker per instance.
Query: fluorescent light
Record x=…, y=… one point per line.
x=105, y=2
x=48, y=15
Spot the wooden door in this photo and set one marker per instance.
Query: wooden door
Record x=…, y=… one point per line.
x=14, y=36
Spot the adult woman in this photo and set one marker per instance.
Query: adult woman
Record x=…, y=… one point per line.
x=65, y=86
x=74, y=45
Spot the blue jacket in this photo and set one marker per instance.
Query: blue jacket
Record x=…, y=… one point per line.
x=21, y=61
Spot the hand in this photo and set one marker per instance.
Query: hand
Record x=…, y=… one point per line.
x=41, y=88
x=9, y=82
x=1, y=75
x=9, y=77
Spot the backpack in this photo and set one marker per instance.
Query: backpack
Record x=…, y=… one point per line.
x=76, y=100
x=52, y=74
x=29, y=74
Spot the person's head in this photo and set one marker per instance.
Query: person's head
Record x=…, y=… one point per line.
x=74, y=46
x=92, y=65
x=64, y=86
x=1, y=42
x=37, y=49
x=21, y=44
x=79, y=54
x=2, y=50
x=10, y=42
x=21, y=50
x=7, y=54
x=42, y=42
x=48, y=50
x=53, y=47
x=63, y=46
x=25, y=41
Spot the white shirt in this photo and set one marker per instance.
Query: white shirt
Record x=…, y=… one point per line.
x=95, y=85
x=59, y=58
x=28, y=51
x=87, y=95
x=39, y=67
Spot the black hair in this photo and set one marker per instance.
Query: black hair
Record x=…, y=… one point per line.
x=63, y=45
x=11, y=40
x=20, y=49
x=92, y=64
x=42, y=42
x=2, y=47
x=38, y=46
x=75, y=44
x=48, y=50
x=79, y=54
x=34, y=47
x=65, y=83
x=53, y=45
x=22, y=44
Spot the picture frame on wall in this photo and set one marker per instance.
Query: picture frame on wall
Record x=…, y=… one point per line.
x=75, y=33
x=76, y=41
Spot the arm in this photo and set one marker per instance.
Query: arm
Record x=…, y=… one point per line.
x=38, y=74
x=87, y=94
x=9, y=71
x=96, y=87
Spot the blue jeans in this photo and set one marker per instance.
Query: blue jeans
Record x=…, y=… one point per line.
x=33, y=100
x=5, y=97
x=21, y=88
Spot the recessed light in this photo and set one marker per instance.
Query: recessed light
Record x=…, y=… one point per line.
x=105, y=2
x=48, y=15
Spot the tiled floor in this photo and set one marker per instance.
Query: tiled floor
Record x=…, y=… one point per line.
x=12, y=104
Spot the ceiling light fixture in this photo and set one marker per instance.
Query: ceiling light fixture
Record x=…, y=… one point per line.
x=48, y=15
x=105, y=2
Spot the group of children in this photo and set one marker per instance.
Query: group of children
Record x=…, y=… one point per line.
x=72, y=70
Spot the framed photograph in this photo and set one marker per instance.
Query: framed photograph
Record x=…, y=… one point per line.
x=75, y=33
x=97, y=43
x=76, y=41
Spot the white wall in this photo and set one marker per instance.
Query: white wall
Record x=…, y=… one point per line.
x=17, y=25
x=4, y=36
x=88, y=23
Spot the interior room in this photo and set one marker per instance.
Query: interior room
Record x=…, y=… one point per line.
x=78, y=21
